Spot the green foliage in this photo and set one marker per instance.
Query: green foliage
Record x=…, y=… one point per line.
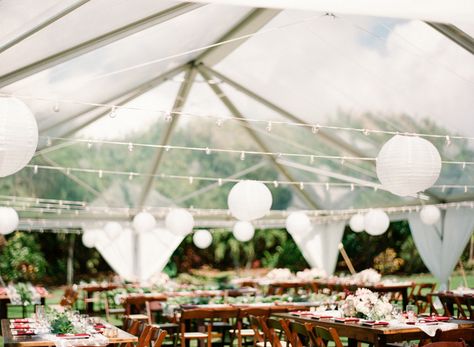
x=21, y=258
x=61, y=324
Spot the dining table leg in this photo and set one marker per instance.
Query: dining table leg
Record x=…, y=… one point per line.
x=405, y=298
x=3, y=309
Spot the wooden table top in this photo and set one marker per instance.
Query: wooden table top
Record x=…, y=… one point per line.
x=377, y=335
x=39, y=341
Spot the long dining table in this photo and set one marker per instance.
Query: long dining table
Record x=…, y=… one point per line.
x=378, y=336
x=11, y=340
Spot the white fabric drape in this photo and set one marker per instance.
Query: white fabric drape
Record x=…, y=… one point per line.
x=155, y=249
x=441, y=245
x=320, y=245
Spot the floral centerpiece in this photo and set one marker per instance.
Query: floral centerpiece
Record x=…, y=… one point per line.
x=311, y=274
x=367, y=304
x=23, y=294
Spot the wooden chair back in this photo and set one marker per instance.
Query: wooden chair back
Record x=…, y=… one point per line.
x=157, y=337
x=464, y=334
x=319, y=335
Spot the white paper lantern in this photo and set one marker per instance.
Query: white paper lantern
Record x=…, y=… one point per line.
x=112, y=230
x=376, y=222
x=243, y=231
x=430, y=214
x=202, y=239
x=8, y=220
x=298, y=223
x=18, y=135
x=357, y=223
x=144, y=222
x=407, y=165
x=89, y=237
x=249, y=200
x=179, y=221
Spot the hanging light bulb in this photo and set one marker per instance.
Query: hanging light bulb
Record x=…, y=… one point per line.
x=242, y=155
x=130, y=176
x=219, y=122
x=448, y=140
x=89, y=145
x=275, y=184
x=366, y=132
x=301, y=185
x=35, y=169
x=315, y=129
x=167, y=148
x=130, y=147
x=113, y=112
x=168, y=117
x=311, y=159
x=269, y=127
x=100, y=173
x=191, y=179
x=219, y=182
x=208, y=151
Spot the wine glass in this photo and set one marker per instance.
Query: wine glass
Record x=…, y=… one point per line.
x=410, y=309
x=397, y=313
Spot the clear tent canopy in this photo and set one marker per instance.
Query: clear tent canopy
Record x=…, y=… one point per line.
x=145, y=104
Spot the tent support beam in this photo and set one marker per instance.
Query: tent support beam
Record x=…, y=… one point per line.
x=124, y=98
x=454, y=34
x=324, y=136
x=179, y=102
x=249, y=25
x=246, y=126
x=41, y=25
x=97, y=42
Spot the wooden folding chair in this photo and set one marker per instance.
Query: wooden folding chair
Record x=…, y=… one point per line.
x=243, y=330
x=320, y=335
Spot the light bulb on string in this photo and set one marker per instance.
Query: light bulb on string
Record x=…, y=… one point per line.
x=448, y=140
x=113, y=112
x=301, y=185
x=130, y=147
x=48, y=141
x=68, y=171
x=219, y=182
x=167, y=117
x=315, y=128
x=463, y=165
x=89, y=145
x=275, y=184
x=242, y=155
x=35, y=169
x=352, y=187
x=56, y=106
x=366, y=132
x=343, y=161
x=191, y=179
x=100, y=173
x=269, y=127
x=327, y=186
x=167, y=148
x=219, y=122
x=208, y=151
x=465, y=189
x=311, y=159
x=130, y=176
x=443, y=188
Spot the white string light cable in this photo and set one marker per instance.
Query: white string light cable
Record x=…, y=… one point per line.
x=242, y=153
x=221, y=119
x=191, y=179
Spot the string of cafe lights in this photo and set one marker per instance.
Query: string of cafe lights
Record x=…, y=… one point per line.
x=30, y=205
x=220, y=181
x=242, y=153
x=221, y=119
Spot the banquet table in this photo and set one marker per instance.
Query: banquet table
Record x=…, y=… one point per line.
x=377, y=287
x=39, y=341
x=5, y=300
x=90, y=289
x=376, y=335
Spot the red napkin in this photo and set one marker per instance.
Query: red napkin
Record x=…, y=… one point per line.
x=20, y=326
x=23, y=332
x=21, y=320
x=346, y=320
x=373, y=323
x=441, y=318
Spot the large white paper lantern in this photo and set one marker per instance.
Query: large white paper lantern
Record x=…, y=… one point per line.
x=89, y=237
x=243, y=231
x=179, y=221
x=8, y=220
x=298, y=223
x=249, y=200
x=18, y=135
x=357, y=222
x=407, y=165
x=144, y=222
x=112, y=230
x=376, y=222
x=202, y=239
x=430, y=214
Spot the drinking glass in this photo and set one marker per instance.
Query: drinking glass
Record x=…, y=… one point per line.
x=410, y=309
x=397, y=312
x=40, y=314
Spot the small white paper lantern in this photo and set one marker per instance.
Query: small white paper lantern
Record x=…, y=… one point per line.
x=112, y=230
x=89, y=237
x=357, y=223
x=430, y=214
x=9, y=220
x=249, y=200
x=376, y=222
x=243, y=231
x=18, y=134
x=202, y=239
x=144, y=222
x=298, y=223
x=407, y=165
x=179, y=221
